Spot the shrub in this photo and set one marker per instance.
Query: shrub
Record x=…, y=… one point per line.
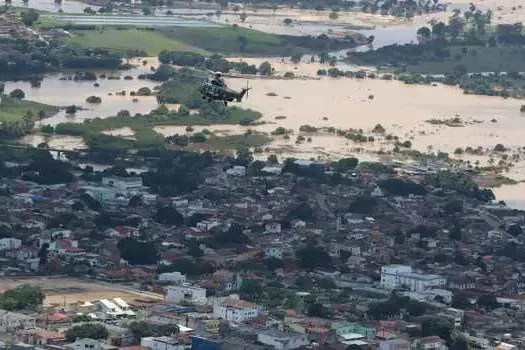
x=18, y=94
x=144, y=91
x=94, y=99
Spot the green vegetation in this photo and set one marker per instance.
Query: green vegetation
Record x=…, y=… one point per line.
x=475, y=59
x=86, y=330
x=137, y=253
x=150, y=41
x=48, y=22
x=237, y=40
x=22, y=297
x=181, y=88
x=451, y=122
x=461, y=50
x=238, y=141
x=94, y=99
x=214, y=63
x=462, y=184
x=141, y=329
x=29, y=17
x=13, y=109
x=227, y=39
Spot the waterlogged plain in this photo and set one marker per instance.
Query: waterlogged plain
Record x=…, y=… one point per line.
x=67, y=6
x=57, y=92
x=403, y=110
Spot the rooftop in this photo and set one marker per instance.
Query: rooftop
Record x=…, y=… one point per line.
x=238, y=304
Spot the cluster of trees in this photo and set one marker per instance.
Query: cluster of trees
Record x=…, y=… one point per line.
x=345, y=164
x=142, y=329
x=460, y=183
x=302, y=211
x=23, y=297
x=363, y=205
x=189, y=267
x=232, y=237
x=29, y=17
x=394, y=306
x=436, y=40
x=26, y=57
x=400, y=187
x=313, y=256
x=214, y=63
x=485, y=301
x=168, y=215
x=138, y=253
x=251, y=290
x=44, y=169
x=86, y=330
x=440, y=42
x=184, y=166
x=15, y=129
x=503, y=85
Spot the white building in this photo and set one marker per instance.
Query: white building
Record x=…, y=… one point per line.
x=10, y=321
x=274, y=250
x=161, y=343
x=101, y=194
x=89, y=344
x=281, y=340
x=194, y=294
x=114, y=308
x=208, y=224
x=394, y=344
x=430, y=343
x=272, y=228
x=10, y=244
x=172, y=277
x=237, y=170
x=126, y=185
x=271, y=170
x=235, y=310
x=398, y=276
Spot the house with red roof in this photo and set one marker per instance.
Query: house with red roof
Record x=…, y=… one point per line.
x=430, y=343
x=56, y=318
x=38, y=336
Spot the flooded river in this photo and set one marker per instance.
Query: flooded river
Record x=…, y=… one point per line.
x=67, y=6
x=55, y=91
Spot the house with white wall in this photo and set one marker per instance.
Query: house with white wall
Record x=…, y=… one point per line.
x=274, y=249
x=162, y=343
x=10, y=321
x=10, y=244
x=402, y=276
x=235, y=310
x=172, y=277
x=282, y=340
x=187, y=292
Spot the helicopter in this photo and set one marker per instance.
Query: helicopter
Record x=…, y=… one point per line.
x=212, y=91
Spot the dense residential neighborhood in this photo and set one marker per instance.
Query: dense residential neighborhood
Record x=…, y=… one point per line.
x=341, y=255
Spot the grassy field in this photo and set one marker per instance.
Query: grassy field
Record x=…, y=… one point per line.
x=48, y=22
x=60, y=291
x=222, y=40
x=237, y=141
x=477, y=59
x=131, y=39
x=12, y=110
x=227, y=40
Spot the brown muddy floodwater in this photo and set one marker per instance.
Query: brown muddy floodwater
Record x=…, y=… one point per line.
x=58, y=92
